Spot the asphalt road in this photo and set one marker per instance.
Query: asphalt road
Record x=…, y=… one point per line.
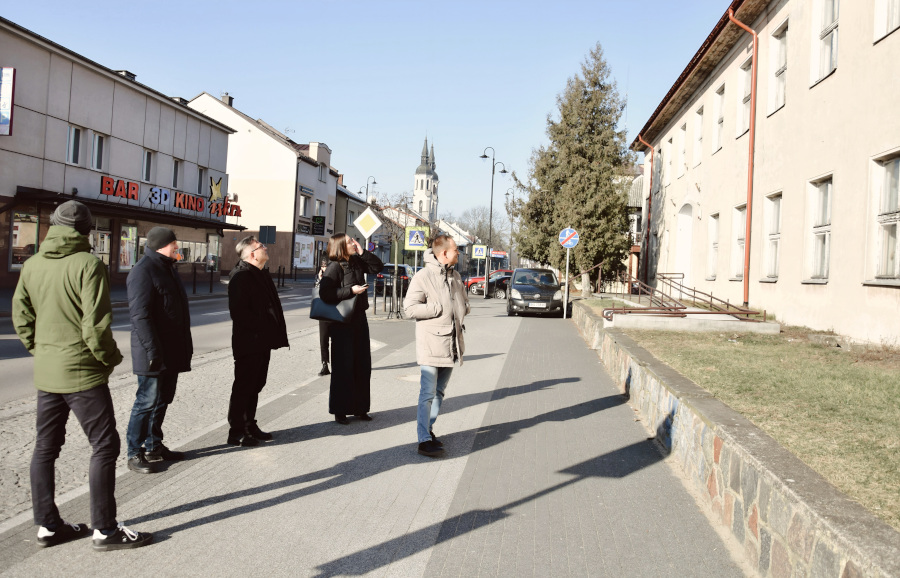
x=210, y=327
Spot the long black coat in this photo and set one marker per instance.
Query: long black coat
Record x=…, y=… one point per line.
x=256, y=312
x=160, y=318
x=351, y=355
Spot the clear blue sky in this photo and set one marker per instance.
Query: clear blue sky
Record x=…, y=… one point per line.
x=371, y=78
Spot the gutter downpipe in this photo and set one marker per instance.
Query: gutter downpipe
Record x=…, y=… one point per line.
x=649, y=214
x=751, y=155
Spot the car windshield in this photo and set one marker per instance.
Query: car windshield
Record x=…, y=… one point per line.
x=535, y=278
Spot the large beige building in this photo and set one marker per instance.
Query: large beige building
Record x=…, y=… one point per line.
x=823, y=210
x=136, y=157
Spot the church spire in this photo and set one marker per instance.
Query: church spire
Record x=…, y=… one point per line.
x=425, y=152
x=431, y=157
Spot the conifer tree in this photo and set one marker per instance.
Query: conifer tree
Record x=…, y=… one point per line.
x=579, y=179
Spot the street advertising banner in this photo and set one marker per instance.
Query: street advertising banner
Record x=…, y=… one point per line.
x=304, y=252
x=414, y=239
x=499, y=254
x=7, y=91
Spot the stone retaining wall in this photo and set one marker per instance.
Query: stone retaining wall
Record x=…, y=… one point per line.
x=788, y=520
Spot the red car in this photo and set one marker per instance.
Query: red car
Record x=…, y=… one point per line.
x=472, y=280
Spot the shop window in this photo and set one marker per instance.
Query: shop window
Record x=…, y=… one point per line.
x=212, y=253
x=24, y=238
x=128, y=248
x=100, y=237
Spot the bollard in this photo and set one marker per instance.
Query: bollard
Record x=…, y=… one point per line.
x=211, y=280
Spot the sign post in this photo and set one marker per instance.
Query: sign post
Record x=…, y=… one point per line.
x=479, y=253
x=367, y=223
x=568, y=238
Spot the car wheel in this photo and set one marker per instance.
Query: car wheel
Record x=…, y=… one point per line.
x=499, y=294
x=473, y=289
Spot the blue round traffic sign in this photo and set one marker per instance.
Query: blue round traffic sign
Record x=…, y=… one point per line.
x=568, y=238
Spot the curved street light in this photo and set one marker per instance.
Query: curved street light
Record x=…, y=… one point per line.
x=487, y=270
x=367, y=186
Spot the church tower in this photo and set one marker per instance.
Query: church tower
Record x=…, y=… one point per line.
x=425, y=191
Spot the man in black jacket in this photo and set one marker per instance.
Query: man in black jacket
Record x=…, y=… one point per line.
x=161, y=347
x=258, y=328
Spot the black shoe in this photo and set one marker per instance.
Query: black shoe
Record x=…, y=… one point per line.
x=140, y=464
x=364, y=417
x=65, y=532
x=163, y=453
x=341, y=419
x=258, y=433
x=430, y=449
x=324, y=369
x=247, y=441
x=439, y=443
x=121, y=539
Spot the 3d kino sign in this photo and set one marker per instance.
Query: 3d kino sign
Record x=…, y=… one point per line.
x=161, y=196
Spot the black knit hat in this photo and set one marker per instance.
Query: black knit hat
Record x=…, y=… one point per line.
x=159, y=237
x=72, y=214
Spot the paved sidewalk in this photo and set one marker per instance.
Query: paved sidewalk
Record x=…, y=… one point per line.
x=546, y=473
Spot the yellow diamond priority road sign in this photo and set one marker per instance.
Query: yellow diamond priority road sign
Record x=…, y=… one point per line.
x=367, y=223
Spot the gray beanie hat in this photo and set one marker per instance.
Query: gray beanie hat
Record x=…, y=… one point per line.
x=72, y=214
x=159, y=237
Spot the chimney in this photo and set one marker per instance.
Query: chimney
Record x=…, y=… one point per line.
x=180, y=100
x=229, y=100
x=126, y=74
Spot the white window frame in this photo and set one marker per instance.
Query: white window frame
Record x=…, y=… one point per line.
x=745, y=82
x=824, y=51
x=147, y=166
x=698, y=136
x=778, y=65
x=773, y=233
x=821, y=200
x=304, y=205
x=682, y=146
x=887, y=17
x=739, y=231
x=98, y=150
x=323, y=172
x=887, y=219
x=719, y=134
x=176, y=169
x=320, y=208
x=712, y=258
x=74, y=139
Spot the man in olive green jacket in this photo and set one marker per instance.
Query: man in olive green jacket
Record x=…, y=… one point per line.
x=62, y=314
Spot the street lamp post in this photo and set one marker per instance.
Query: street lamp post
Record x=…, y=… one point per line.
x=367, y=186
x=509, y=209
x=487, y=270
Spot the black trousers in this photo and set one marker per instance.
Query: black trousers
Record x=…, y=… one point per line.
x=323, y=340
x=94, y=411
x=249, y=379
x=351, y=367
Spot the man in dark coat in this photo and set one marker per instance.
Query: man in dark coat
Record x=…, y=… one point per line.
x=62, y=313
x=258, y=328
x=161, y=347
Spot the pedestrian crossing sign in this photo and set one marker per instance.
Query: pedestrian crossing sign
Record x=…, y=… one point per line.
x=415, y=238
x=479, y=251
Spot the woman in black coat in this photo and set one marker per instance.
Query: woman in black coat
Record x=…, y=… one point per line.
x=351, y=356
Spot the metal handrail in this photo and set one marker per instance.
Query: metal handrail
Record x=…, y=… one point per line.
x=714, y=303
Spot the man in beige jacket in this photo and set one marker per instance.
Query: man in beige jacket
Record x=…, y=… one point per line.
x=437, y=300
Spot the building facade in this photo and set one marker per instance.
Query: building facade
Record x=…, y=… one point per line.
x=348, y=207
x=425, y=189
x=279, y=183
x=820, y=222
x=136, y=157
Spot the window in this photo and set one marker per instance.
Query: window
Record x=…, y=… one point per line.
x=212, y=255
x=146, y=173
x=73, y=149
x=887, y=17
x=304, y=206
x=779, y=66
x=889, y=220
x=420, y=207
x=127, y=248
x=745, y=80
x=320, y=208
x=827, y=37
x=24, y=237
x=822, y=193
x=698, y=136
x=323, y=171
x=773, y=234
x=682, y=137
x=176, y=165
x=713, y=256
x=739, y=223
x=351, y=218
x=671, y=152
x=201, y=173
x=97, y=152
x=720, y=118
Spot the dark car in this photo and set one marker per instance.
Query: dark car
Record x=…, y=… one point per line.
x=534, y=291
x=499, y=286
x=385, y=279
x=470, y=282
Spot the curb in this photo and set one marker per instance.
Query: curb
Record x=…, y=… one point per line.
x=786, y=518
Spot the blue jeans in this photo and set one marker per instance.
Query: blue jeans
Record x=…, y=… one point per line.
x=433, y=383
x=154, y=394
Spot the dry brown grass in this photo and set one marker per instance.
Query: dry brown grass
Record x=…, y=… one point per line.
x=837, y=410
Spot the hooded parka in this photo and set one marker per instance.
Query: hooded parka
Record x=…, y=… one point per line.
x=62, y=313
x=437, y=300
